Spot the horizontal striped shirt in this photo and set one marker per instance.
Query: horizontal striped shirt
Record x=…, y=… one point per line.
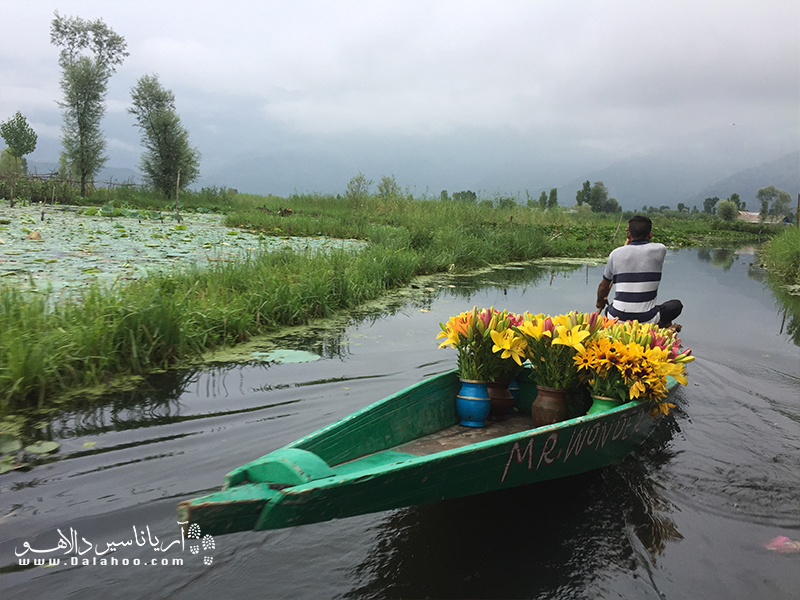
x=635, y=271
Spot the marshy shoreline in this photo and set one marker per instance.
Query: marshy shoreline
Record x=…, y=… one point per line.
x=52, y=352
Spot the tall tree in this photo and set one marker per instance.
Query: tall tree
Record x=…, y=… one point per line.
x=20, y=139
x=598, y=196
x=552, y=201
x=90, y=54
x=709, y=204
x=584, y=194
x=168, y=163
x=543, y=201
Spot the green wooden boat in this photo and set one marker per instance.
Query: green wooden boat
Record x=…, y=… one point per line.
x=409, y=449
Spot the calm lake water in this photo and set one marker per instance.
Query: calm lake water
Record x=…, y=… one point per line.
x=686, y=516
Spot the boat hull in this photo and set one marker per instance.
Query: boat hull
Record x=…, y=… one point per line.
x=297, y=485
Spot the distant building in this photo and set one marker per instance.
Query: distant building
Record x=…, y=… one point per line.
x=754, y=217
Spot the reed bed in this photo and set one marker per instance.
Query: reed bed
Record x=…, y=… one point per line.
x=159, y=320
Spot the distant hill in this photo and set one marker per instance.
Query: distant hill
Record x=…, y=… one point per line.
x=648, y=180
x=654, y=181
x=783, y=173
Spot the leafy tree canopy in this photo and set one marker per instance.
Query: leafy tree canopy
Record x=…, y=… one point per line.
x=596, y=196
x=18, y=135
x=543, y=201
x=552, y=201
x=168, y=163
x=90, y=54
x=774, y=201
x=709, y=204
x=727, y=210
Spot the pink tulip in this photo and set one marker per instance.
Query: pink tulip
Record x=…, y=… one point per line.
x=548, y=325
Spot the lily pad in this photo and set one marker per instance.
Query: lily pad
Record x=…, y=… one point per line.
x=286, y=356
x=7, y=463
x=8, y=443
x=42, y=447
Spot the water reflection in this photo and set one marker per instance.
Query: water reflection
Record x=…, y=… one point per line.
x=788, y=303
x=504, y=277
x=718, y=257
x=789, y=306
x=551, y=540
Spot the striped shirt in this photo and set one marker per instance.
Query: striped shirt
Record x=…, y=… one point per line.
x=635, y=271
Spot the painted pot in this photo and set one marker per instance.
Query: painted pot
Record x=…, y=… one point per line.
x=602, y=404
x=473, y=403
x=502, y=400
x=550, y=406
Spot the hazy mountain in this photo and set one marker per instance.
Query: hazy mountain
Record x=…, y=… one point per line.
x=783, y=173
x=655, y=181
x=652, y=181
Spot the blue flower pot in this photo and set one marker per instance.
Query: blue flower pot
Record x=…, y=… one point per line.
x=473, y=403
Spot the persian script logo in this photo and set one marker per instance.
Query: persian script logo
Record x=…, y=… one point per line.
x=86, y=553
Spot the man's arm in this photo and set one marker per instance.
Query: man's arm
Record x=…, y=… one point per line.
x=602, y=293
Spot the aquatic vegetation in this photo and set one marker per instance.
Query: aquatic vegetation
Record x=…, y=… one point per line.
x=272, y=262
x=781, y=256
x=156, y=321
x=76, y=248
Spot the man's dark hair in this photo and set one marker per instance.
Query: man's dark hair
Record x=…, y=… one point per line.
x=639, y=227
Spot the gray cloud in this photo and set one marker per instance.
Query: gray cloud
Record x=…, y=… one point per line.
x=569, y=85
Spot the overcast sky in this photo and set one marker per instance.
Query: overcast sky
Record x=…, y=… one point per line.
x=454, y=95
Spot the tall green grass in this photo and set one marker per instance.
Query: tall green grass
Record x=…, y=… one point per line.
x=156, y=321
x=781, y=256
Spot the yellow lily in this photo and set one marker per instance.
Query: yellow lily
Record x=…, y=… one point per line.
x=451, y=336
x=512, y=345
x=534, y=329
x=571, y=337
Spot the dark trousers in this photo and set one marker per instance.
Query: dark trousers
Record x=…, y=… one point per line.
x=669, y=311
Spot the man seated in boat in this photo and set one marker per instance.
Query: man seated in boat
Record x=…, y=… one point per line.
x=635, y=271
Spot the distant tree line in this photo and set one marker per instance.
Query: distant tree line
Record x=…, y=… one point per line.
x=771, y=200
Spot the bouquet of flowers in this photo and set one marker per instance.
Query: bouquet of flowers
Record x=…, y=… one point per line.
x=630, y=360
x=553, y=342
x=489, y=349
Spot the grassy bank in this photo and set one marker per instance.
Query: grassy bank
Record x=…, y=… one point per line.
x=159, y=320
x=781, y=257
x=166, y=318
x=172, y=317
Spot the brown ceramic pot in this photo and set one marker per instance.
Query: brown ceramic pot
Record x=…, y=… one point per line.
x=502, y=400
x=550, y=406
